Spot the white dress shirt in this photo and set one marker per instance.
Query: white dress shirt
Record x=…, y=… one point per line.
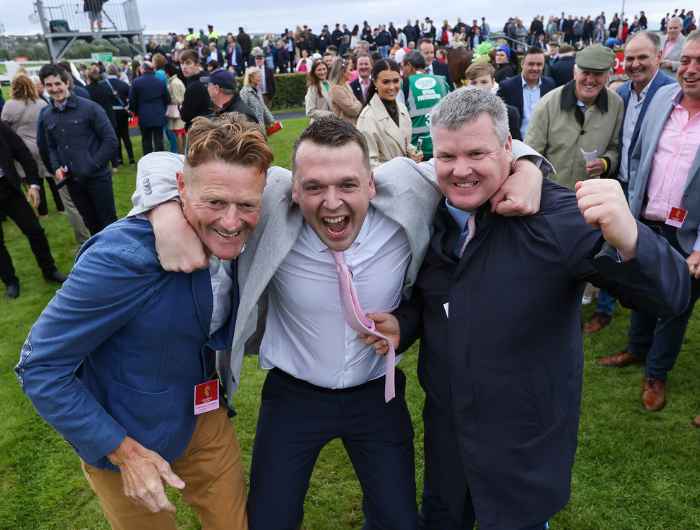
x=221, y=288
x=306, y=334
x=531, y=96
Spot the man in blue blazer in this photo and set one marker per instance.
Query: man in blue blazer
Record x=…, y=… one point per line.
x=664, y=193
x=642, y=58
x=148, y=99
x=524, y=91
x=121, y=362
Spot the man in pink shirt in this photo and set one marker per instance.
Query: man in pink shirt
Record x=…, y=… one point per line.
x=664, y=192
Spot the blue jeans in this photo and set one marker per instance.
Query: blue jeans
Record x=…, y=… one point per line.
x=659, y=340
x=606, y=303
x=172, y=139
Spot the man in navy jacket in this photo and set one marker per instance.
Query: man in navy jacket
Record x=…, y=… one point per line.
x=116, y=359
x=524, y=91
x=497, y=304
x=80, y=142
x=148, y=99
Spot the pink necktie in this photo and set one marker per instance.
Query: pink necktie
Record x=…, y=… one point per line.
x=357, y=320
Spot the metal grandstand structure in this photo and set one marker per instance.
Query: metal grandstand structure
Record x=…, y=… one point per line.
x=66, y=23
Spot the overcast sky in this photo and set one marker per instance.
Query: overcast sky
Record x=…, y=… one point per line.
x=258, y=16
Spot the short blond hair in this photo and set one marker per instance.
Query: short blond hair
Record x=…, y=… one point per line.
x=227, y=138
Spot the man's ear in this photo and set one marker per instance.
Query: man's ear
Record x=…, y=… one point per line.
x=295, y=189
x=180, y=177
x=509, y=144
x=372, y=187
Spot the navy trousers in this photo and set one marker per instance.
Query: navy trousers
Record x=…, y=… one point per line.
x=297, y=419
x=659, y=340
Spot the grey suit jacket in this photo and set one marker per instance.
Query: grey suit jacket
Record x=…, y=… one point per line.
x=674, y=55
x=406, y=192
x=642, y=158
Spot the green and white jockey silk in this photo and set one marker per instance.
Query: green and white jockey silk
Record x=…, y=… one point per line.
x=424, y=92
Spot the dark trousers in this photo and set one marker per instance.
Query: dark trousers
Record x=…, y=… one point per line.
x=122, y=127
x=15, y=206
x=659, y=340
x=43, y=208
x=297, y=419
x=94, y=199
x=151, y=139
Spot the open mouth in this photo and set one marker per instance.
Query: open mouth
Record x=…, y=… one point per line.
x=337, y=225
x=227, y=235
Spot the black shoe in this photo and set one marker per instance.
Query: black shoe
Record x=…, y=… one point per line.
x=55, y=277
x=12, y=290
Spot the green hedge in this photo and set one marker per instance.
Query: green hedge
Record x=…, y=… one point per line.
x=290, y=91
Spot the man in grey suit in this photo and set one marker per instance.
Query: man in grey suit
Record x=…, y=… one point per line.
x=671, y=47
x=664, y=193
x=323, y=381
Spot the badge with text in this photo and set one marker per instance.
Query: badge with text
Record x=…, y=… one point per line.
x=676, y=217
x=206, y=397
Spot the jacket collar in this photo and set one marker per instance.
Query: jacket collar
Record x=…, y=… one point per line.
x=70, y=103
x=569, y=99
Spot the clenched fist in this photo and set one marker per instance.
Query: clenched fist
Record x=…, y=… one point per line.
x=604, y=206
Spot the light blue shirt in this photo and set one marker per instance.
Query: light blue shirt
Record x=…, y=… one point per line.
x=531, y=96
x=306, y=334
x=461, y=217
x=634, y=109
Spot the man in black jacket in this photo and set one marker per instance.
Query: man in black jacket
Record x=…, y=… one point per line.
x=562, y=69
x=433, y=66
x=196, y=102
x=14, y=205
x=501, y=353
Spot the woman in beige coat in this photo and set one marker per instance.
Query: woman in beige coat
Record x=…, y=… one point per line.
x=343, y=101
x=385, y=122
x=316, y=100
x=176, y=89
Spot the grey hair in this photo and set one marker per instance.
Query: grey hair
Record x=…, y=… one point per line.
x=679, y=20
x=692, y=36
x=465, y=105
x=651, y=37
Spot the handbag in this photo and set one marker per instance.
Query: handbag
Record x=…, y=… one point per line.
x=172, y=112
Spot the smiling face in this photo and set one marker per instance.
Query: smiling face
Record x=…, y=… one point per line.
x=589, y=84
x=470, y=162
x=689, y=70
x=673, y=29
x=333, y=187
x=364, y=67
x=533, y=64
x=221, y=201
x=321, y=71
x=388, y=84
x=57, y=88
x=641, y=61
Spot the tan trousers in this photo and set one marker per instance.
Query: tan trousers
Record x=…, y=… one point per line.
x=214, y=484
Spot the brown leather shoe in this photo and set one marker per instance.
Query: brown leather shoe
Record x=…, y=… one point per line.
x=597, y=322
x=619, y=360
x=654, y=394
x=696, y=422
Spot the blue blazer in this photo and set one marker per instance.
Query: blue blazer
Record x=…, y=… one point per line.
x=625, y=91
x=121, y=346
x=511, y=90
x=149, y=98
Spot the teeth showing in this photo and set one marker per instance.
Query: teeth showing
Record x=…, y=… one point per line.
x=333, y=220
x=470, y=184
x=227, y=235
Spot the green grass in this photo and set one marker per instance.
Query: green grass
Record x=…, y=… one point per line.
x=634, y=470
